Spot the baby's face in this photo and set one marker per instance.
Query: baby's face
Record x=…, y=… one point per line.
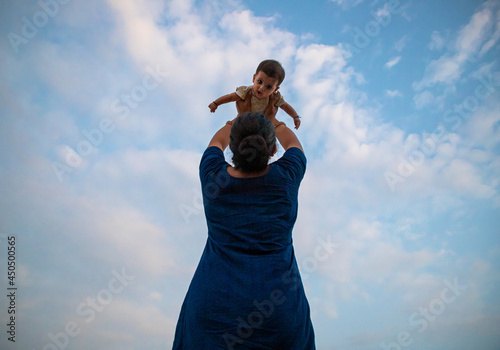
x=263, y=85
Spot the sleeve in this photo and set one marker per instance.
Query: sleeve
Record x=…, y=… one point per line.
x=211, y=161
x=241, y=91
x=294, y=163
x=279, y=100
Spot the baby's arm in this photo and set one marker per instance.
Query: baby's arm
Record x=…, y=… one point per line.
x=232, y=97
x=291, y=112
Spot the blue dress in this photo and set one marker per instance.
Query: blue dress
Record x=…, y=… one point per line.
x=246, y=292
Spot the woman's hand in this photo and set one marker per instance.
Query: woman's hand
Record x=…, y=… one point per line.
x=245, y=105
x=271, y=110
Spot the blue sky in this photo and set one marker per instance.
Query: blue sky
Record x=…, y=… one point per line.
x=104, y=119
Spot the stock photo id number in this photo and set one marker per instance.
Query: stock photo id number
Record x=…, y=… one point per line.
x=11, y=289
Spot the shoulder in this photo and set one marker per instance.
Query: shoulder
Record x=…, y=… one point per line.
x=293, y=162
x=242, y=91
x=294, y=155
x=211, y=161
x=212, y=154
x=279, y=100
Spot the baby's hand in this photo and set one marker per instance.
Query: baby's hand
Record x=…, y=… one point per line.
x=212, y=107
x=296, y=121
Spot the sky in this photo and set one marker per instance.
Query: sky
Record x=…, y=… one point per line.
x=104, y=118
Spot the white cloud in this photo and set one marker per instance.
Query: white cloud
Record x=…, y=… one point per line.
x=471, y=37
x=392, y=62
x=449, y=67
x=444, y=70
x=401, y=43
x=437, y=41
x=462, y=177
x=493, y=38
x=393, y=93
x=346, y=4
x=482, y=127
x=423, y=99
x=127, y=321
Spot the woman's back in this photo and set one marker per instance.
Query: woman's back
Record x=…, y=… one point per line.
x=246, y=292
x=251, y=215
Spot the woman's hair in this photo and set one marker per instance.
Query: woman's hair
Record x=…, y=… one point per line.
x=252, y=141
x=273, y=69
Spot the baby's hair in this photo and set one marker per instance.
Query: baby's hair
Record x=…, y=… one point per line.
x=273, y=69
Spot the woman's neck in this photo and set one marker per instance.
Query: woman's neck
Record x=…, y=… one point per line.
x=243, y=174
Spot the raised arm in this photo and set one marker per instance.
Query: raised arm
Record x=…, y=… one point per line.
x=232, y=97
x=285, y=135
x=221, y=137
x=292, y=113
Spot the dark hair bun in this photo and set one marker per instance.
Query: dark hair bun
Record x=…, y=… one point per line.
x=252, y=141
x=252, y=153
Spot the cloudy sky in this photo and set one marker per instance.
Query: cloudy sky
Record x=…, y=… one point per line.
x=103, y=120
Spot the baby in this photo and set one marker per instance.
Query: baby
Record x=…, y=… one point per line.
x=266, y=81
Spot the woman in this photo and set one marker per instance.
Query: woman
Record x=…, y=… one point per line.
x=246, y=292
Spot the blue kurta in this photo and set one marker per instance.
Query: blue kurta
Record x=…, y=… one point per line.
x=246, y=292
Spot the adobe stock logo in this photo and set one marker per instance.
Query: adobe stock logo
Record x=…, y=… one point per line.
x=87, y=310
x=30, y=28
x=425, y=315
x=486, y=87
x=362, y=37
x=121, y=107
